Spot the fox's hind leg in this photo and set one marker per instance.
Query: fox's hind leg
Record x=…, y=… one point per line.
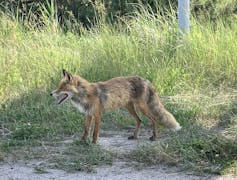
x=145, y=110
x=132, y=111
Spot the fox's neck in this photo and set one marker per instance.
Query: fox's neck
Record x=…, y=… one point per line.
x=85, y=85
x=81, y=81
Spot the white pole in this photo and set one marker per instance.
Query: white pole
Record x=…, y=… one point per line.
x=183, y=15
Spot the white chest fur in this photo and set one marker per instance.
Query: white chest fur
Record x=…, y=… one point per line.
x=82, y=108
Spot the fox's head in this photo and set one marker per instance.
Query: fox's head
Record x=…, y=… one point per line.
x=66, y=89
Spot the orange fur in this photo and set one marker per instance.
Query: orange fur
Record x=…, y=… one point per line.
x=134, y=93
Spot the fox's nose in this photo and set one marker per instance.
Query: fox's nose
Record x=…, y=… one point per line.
x=51, y=94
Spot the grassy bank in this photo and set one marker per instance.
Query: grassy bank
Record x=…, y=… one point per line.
x=196, y=77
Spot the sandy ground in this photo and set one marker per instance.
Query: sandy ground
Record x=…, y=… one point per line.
x=118, y=171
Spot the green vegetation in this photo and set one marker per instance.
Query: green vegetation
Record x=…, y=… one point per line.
x=195, y=75
x=82, y=157
x=88, y=12
x=206, y=142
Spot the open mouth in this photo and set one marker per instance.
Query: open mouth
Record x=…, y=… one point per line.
x=62, y=98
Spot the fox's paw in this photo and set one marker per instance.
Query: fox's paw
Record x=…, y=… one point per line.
x=152, y=138
x=85, y=140
x=94, y=142
x=132, y=137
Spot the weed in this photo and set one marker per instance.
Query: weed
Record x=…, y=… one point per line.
x=194, y=148
x=82, y=157
x=40, y=170
x=230, y=168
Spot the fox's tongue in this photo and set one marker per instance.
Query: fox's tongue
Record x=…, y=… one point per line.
x=62, y=98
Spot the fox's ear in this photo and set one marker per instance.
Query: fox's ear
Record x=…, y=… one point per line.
x=67, y=75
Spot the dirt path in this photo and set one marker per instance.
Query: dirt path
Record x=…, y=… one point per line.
x=119, y=170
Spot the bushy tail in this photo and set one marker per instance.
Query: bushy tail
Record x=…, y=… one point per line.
x=164, y=116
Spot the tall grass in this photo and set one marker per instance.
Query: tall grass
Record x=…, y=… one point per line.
x=146, y=45
x=194, y=67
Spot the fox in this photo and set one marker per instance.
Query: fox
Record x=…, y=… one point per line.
x=132, y=92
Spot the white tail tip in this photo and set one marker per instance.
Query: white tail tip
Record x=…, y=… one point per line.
x=177, y=128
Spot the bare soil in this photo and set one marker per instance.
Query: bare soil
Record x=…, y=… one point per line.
x=112, y=141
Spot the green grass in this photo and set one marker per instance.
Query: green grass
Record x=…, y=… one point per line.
x=206, y=144
x=205, y=153
x=195, y=75
x=82, y=157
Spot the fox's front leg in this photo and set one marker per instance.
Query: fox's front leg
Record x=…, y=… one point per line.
x=87, y=127
x=96, y=128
